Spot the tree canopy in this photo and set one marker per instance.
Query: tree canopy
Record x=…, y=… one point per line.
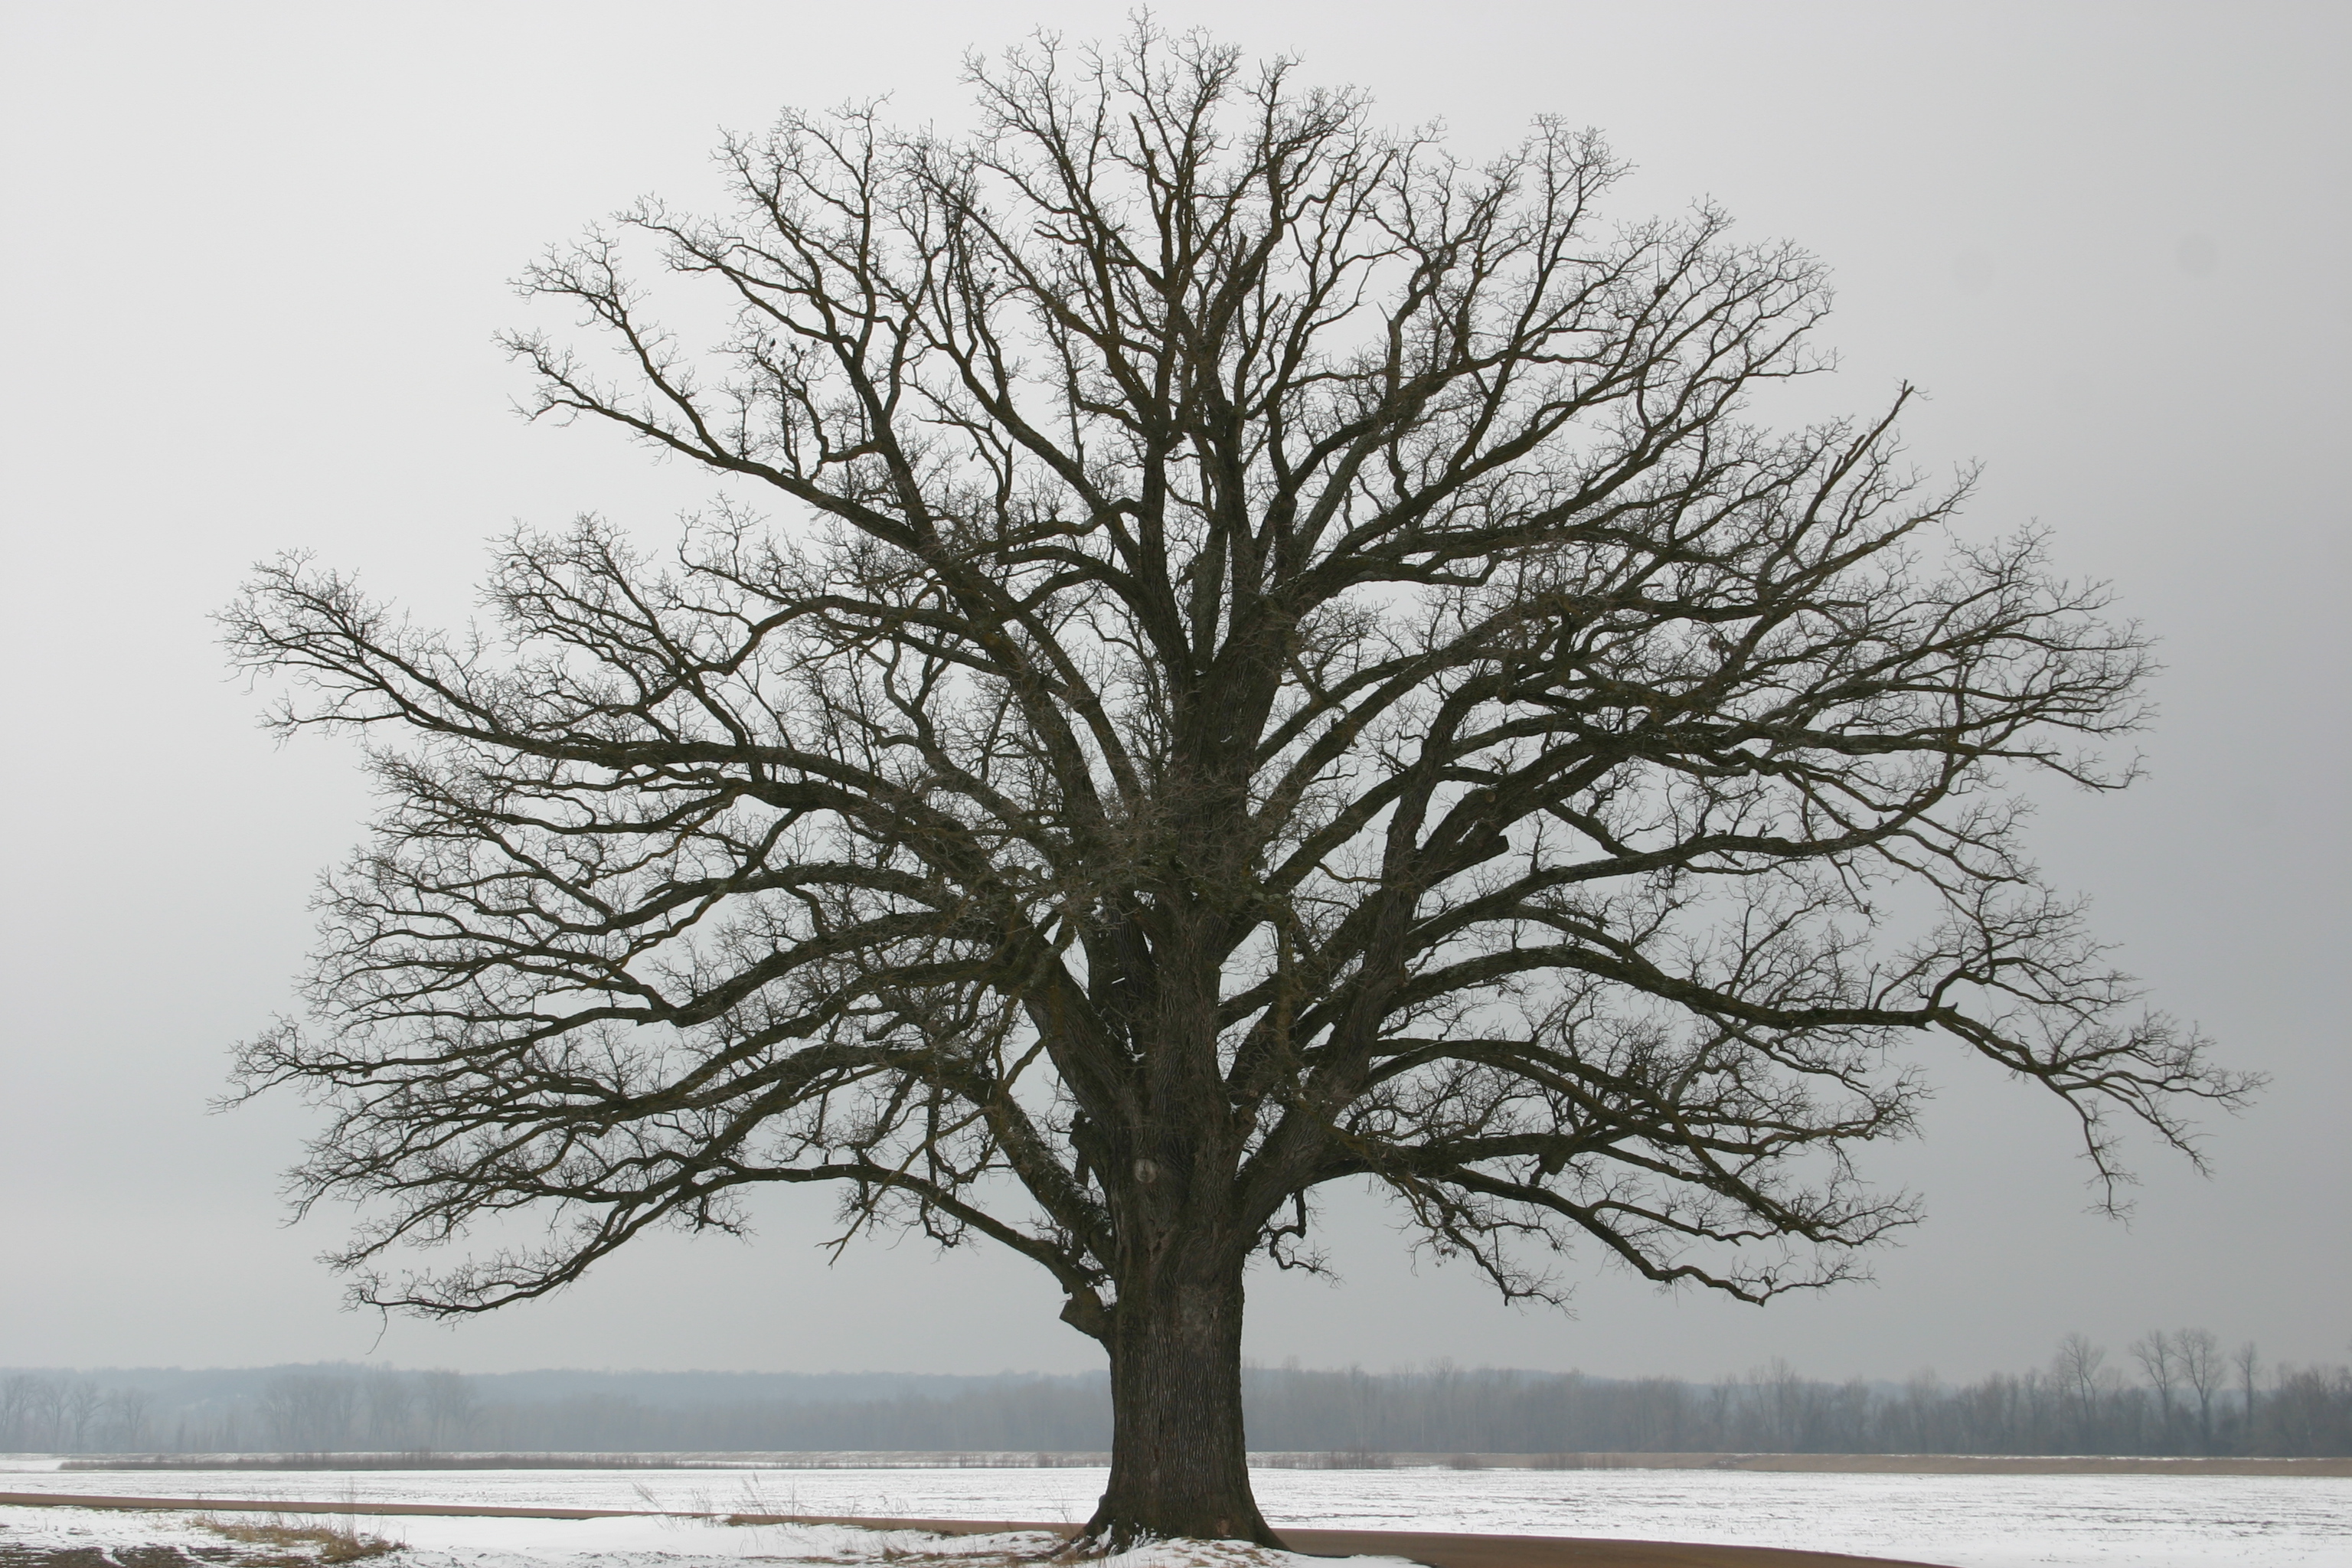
x=1273, y=654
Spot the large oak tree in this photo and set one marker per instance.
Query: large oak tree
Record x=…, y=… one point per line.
x=1274, y=656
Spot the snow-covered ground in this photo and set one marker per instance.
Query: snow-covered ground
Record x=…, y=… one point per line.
x=423, y=1541
x=1970, y=1522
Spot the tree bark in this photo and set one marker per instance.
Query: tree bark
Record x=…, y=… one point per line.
x=1180, y=1466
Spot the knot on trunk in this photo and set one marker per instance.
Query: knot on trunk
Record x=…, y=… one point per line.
x=1085, y=1311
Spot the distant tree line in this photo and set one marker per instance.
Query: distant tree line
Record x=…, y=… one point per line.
x=2169, y=1394
x=278, y=1410
x=2081, y=1403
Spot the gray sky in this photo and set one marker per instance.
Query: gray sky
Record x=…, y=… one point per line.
x=254, y=255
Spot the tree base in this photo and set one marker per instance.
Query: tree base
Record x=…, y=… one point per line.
x=1104, y=1535
x=1180, y=1463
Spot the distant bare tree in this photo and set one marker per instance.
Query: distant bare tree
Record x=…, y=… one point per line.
x=391, y=1410
x=2157, y=1357
x=52, y=1399
x=2203, y=1368
x=309, y=1413
x=1289, y=663
x=448, y=1400
x=127, y=1409
x=2078, y=1366
x=78, y=1405
x=1917, y=1408
x=282, y=1412
x=18, y=1396
x=1777, y=1397
x=2247, y=1362
x=2308, y=1410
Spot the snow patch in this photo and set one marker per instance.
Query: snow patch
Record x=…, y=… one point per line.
x=424, y=1540
x=1967, y=1521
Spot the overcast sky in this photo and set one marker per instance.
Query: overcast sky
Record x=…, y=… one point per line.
x=254, y=255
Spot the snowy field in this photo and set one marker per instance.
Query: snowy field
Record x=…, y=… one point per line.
x=428, y=1542
x=1968, y=1522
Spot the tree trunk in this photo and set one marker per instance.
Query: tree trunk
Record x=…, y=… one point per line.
x=1179, y=1467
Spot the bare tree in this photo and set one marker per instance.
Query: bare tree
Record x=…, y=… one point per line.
x=77, y=1407
x=2202, y=1368
x=2247, y=1362
x=1286, y=663
x=309, y=1413
x=130, y=1408
x=19, y=1397
x=391, y=1410
x=2078, y=1366
x=2157, y=1356
x=49, y=1405
x=448, y=1406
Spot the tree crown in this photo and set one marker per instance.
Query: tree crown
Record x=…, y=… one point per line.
x=1287, y=662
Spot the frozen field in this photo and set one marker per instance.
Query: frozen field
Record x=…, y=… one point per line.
x=1969, y=1522
x=428, y=1542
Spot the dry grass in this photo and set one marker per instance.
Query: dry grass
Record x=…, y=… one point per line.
x=299, y=1542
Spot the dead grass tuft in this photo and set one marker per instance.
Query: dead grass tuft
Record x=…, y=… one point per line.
x=301, y=1542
